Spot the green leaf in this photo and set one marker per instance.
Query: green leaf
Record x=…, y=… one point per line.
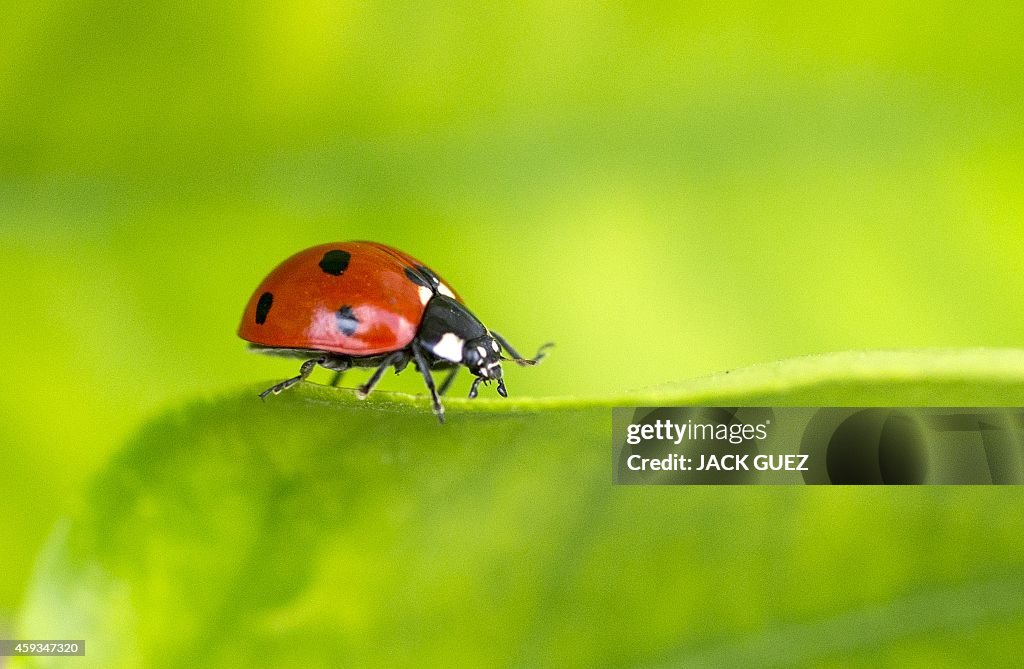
x=317, y=530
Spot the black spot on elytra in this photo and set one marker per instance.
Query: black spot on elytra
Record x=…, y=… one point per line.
x=335, y=262
x=263, y=307
x=417, y=277
x=346, y=321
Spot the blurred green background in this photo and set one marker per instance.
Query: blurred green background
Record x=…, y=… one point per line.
x=664, y=190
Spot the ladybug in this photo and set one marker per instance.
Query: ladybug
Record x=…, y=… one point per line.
x=364, y=304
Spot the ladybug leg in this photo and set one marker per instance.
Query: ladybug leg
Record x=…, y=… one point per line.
x=393, y=359
x=337, y=363
x=402, y=364
x=472, y=389
x=520, y=360
x=421, y=364
x=304, y=372
x=447, y=381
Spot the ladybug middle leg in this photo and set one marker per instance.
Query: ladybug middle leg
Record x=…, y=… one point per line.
x=338, y=364
x=397, y=358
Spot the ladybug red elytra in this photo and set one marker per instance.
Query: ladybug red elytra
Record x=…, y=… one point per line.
x=363, y=304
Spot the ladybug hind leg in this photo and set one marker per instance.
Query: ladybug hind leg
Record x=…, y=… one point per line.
x=304, y=372
x=336, y=363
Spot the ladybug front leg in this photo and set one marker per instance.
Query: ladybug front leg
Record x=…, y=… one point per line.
x=448, y=381
x=518, y=359
x=304, y=372
x=421, y=364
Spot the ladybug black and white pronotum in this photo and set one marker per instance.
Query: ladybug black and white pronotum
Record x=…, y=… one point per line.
x=363, y=304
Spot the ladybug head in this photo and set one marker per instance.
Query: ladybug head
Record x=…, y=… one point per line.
x=483, y=357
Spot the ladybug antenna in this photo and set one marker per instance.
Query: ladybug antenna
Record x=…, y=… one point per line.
x=518, y=359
